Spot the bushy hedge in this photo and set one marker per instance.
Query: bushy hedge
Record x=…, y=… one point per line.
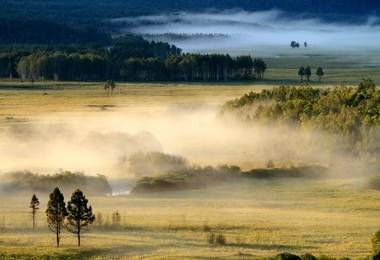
x=22, y=181
x=197, y=177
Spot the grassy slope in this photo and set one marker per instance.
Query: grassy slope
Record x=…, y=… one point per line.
x=334, y=217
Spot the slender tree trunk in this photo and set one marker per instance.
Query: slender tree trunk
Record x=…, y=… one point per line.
x=57, y=236
x=78, y=234
x=34, y=218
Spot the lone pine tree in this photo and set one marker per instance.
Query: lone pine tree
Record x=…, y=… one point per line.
x=56, y=213
x=79, y=214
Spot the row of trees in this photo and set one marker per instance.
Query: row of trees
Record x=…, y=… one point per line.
x=302, y=71
x=76, y=217
x=130, y=58
x=187, y=67
x=194, y=67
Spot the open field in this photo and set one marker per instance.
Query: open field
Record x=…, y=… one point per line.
x=50, y=125
x=259, y=218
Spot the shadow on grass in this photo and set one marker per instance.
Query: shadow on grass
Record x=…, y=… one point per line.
x=269, y=247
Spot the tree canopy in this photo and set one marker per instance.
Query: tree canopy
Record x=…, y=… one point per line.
x=351, y=115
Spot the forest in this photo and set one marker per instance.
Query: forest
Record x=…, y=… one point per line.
x=131, y=58
x=85, y=12
x=350, y=115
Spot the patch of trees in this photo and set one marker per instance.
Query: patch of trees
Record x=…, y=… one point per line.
x=78, y=61
x=194, y=67
x=27, y=181
x=76, y=217
x=195, y=177
x=187, y=67
x=151, y=163
x=302, y=71
x=351, y=115
x=185, y=36
x=131, y=58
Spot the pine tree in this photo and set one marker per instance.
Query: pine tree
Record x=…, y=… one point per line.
x=34, y=206
x=301, y=72
x=308, y=73
x=56, y=213
x=320, y=73
x=79, y=214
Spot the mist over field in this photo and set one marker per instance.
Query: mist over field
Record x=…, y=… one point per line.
x=94, y=142
x=252, y=32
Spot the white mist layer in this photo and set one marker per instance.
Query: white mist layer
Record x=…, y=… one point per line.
x=93, y=143
x=253, y=32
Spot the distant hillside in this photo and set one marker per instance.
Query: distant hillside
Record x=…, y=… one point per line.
x=46, y=32
x=95, y=11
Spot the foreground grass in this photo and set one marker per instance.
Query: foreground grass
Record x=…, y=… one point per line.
x=259, y=218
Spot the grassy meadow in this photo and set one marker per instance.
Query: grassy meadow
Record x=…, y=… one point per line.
x=332, y=217
x=259, y=218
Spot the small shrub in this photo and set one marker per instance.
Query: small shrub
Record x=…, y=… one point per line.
x=287, y=256
x=116, y=218
x=220, y=240
x=376, y=242
x=373, y=182
x=99, y=219
x=206, y=227
x=375, y=256
x=325, y=257
x=270, y=164
x=308, y=257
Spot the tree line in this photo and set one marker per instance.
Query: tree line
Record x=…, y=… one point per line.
x=76, y=217
x=131, y=58
x=28, y=181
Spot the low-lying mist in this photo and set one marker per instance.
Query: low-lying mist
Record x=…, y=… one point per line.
x=252, y=32
x=95, y=143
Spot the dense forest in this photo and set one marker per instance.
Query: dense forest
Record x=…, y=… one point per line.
x=131, y=58
x=49, y=33
x=95, y=12
x=351, y=116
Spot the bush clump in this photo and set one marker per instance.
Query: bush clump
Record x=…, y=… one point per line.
x=218, y=239
x=287, y=256
x=34, y=182
x=373, y=182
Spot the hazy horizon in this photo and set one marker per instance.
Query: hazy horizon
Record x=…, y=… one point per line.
x=250, y=32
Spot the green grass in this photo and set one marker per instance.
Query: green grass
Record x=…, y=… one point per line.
x=259, y=218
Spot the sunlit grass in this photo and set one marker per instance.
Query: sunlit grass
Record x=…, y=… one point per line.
x=259, y=218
